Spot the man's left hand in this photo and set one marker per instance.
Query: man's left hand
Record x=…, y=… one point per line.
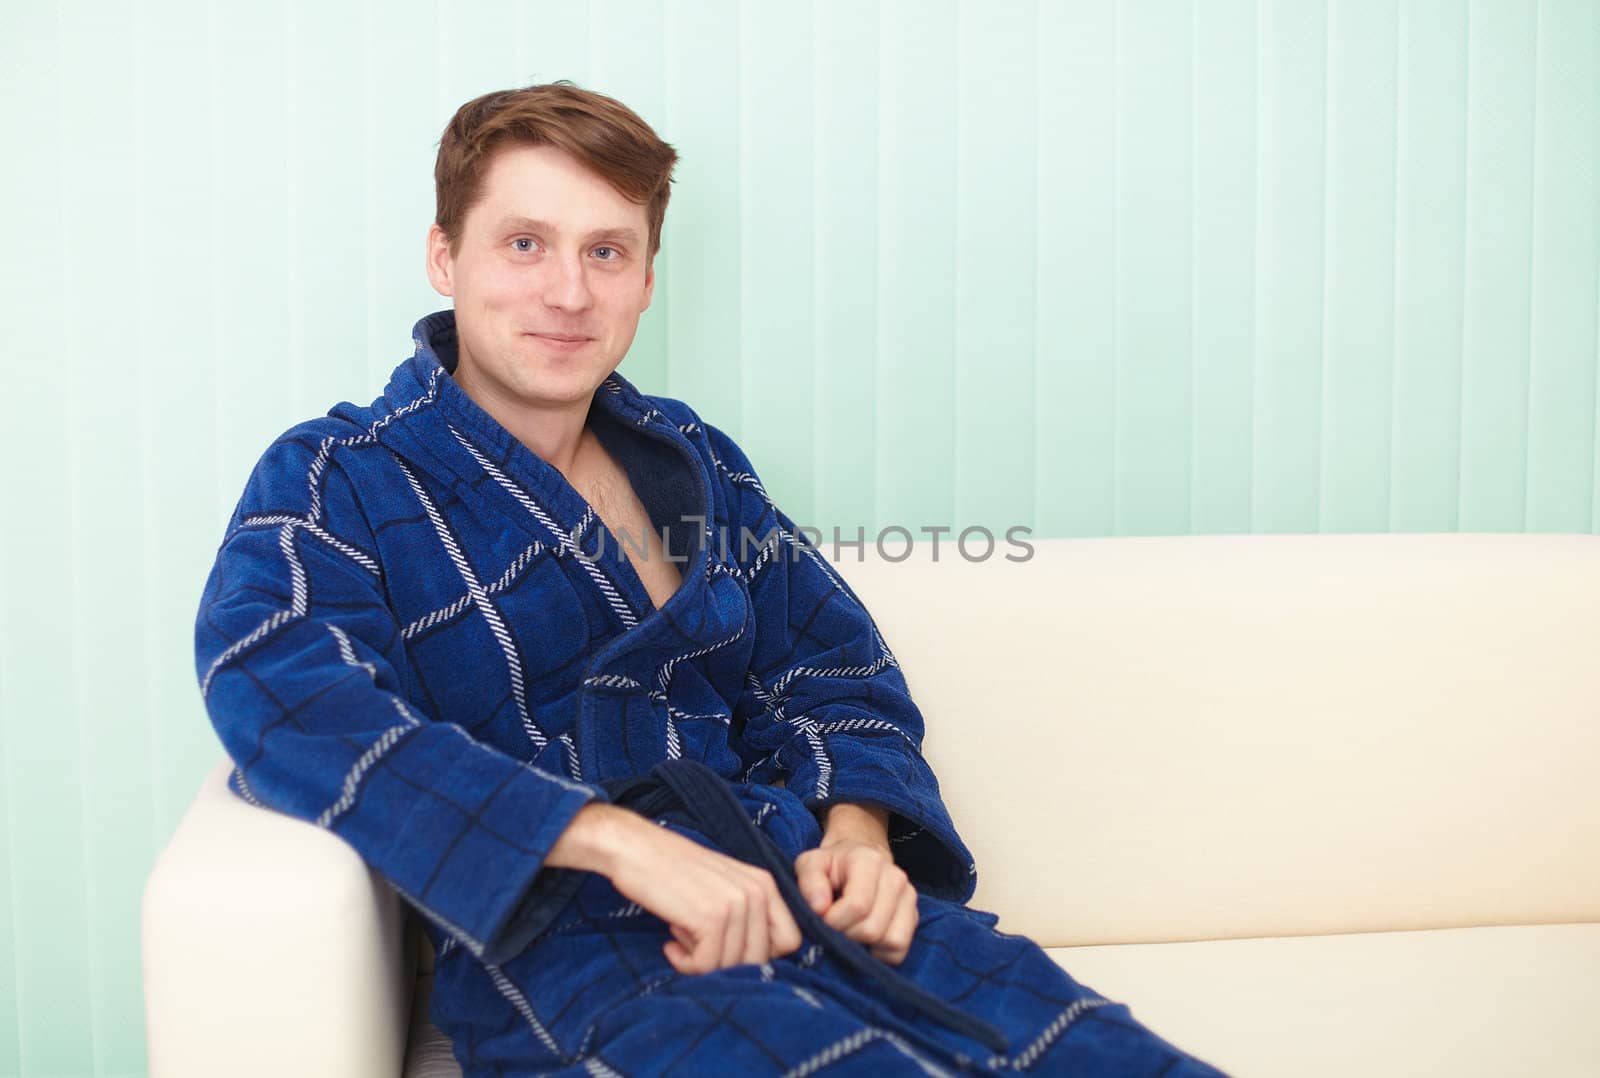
x=858, y=889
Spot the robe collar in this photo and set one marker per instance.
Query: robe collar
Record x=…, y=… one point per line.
x=429, y=375
x=428, y=419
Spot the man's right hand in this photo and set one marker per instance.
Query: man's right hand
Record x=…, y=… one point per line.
x=721, y=911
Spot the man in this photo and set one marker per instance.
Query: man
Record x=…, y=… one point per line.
x=661, y=805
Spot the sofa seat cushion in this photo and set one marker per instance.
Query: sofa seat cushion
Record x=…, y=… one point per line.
x=429, y=1054
x=1464, y=1001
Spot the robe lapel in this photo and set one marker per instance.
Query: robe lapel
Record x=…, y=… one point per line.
x=448, y=434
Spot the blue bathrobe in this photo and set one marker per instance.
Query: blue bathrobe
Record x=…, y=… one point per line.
x=418, y=635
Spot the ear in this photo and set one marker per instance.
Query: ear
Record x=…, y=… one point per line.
x=440, y=265
x=649, y=285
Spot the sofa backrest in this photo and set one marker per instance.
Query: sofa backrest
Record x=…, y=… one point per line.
x=1205, y=737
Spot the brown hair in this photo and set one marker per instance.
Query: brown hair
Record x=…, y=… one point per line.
x=600, y=131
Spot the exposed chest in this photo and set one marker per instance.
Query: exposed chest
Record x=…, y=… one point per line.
x=604, y=485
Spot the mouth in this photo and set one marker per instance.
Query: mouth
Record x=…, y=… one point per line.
x=561, y=343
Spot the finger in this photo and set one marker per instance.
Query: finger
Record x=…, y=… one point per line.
x=680, y=958
x=734, y=927
x=860, y=884
x=896, y=942
x=679, y=950
x=782, y=931
x=885, y=904
x=836, y=871
x=811, y=873
x=756, y=945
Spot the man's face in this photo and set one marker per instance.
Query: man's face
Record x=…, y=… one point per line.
x=550, y=251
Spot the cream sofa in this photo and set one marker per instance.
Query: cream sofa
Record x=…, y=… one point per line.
x=1309, y=804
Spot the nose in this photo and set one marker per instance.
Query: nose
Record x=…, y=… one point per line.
x=566, y=285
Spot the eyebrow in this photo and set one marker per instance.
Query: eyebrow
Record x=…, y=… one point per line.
x=533, y=225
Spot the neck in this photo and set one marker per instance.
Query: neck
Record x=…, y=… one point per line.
x=555, y=432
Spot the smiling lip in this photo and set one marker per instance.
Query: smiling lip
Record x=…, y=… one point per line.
x=560, y=343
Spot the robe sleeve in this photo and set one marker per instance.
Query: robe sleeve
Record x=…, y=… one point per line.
x=826, y=705
x=299, y=657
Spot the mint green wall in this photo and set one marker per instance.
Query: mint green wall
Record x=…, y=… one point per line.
x=1099, y=268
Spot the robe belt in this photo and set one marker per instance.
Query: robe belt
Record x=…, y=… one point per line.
x=710, y=806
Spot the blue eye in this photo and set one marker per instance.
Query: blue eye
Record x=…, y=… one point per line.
x=612, y=249
x=521, y=240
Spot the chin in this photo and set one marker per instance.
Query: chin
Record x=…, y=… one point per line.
x=567, y=390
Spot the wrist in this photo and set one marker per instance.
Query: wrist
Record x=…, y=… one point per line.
x=846, y=821
x=595, y=839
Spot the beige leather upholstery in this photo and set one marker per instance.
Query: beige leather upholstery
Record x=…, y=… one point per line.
x=271, y=949
x=1513, y=1000
x=1364, y=744
x=1204, y=737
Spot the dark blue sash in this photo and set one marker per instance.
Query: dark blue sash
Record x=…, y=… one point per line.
x=689, y=792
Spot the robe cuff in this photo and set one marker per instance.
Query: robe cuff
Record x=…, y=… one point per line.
x=546, y=897
x=481, y=834
x=543, y=896
x=886, y=771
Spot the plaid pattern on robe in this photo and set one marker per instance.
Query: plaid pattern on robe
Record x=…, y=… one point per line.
x=407, y=639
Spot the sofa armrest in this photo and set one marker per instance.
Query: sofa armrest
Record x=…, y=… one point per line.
x=271, y=948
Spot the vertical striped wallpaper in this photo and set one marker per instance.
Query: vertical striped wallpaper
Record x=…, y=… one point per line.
x=1096, y=268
